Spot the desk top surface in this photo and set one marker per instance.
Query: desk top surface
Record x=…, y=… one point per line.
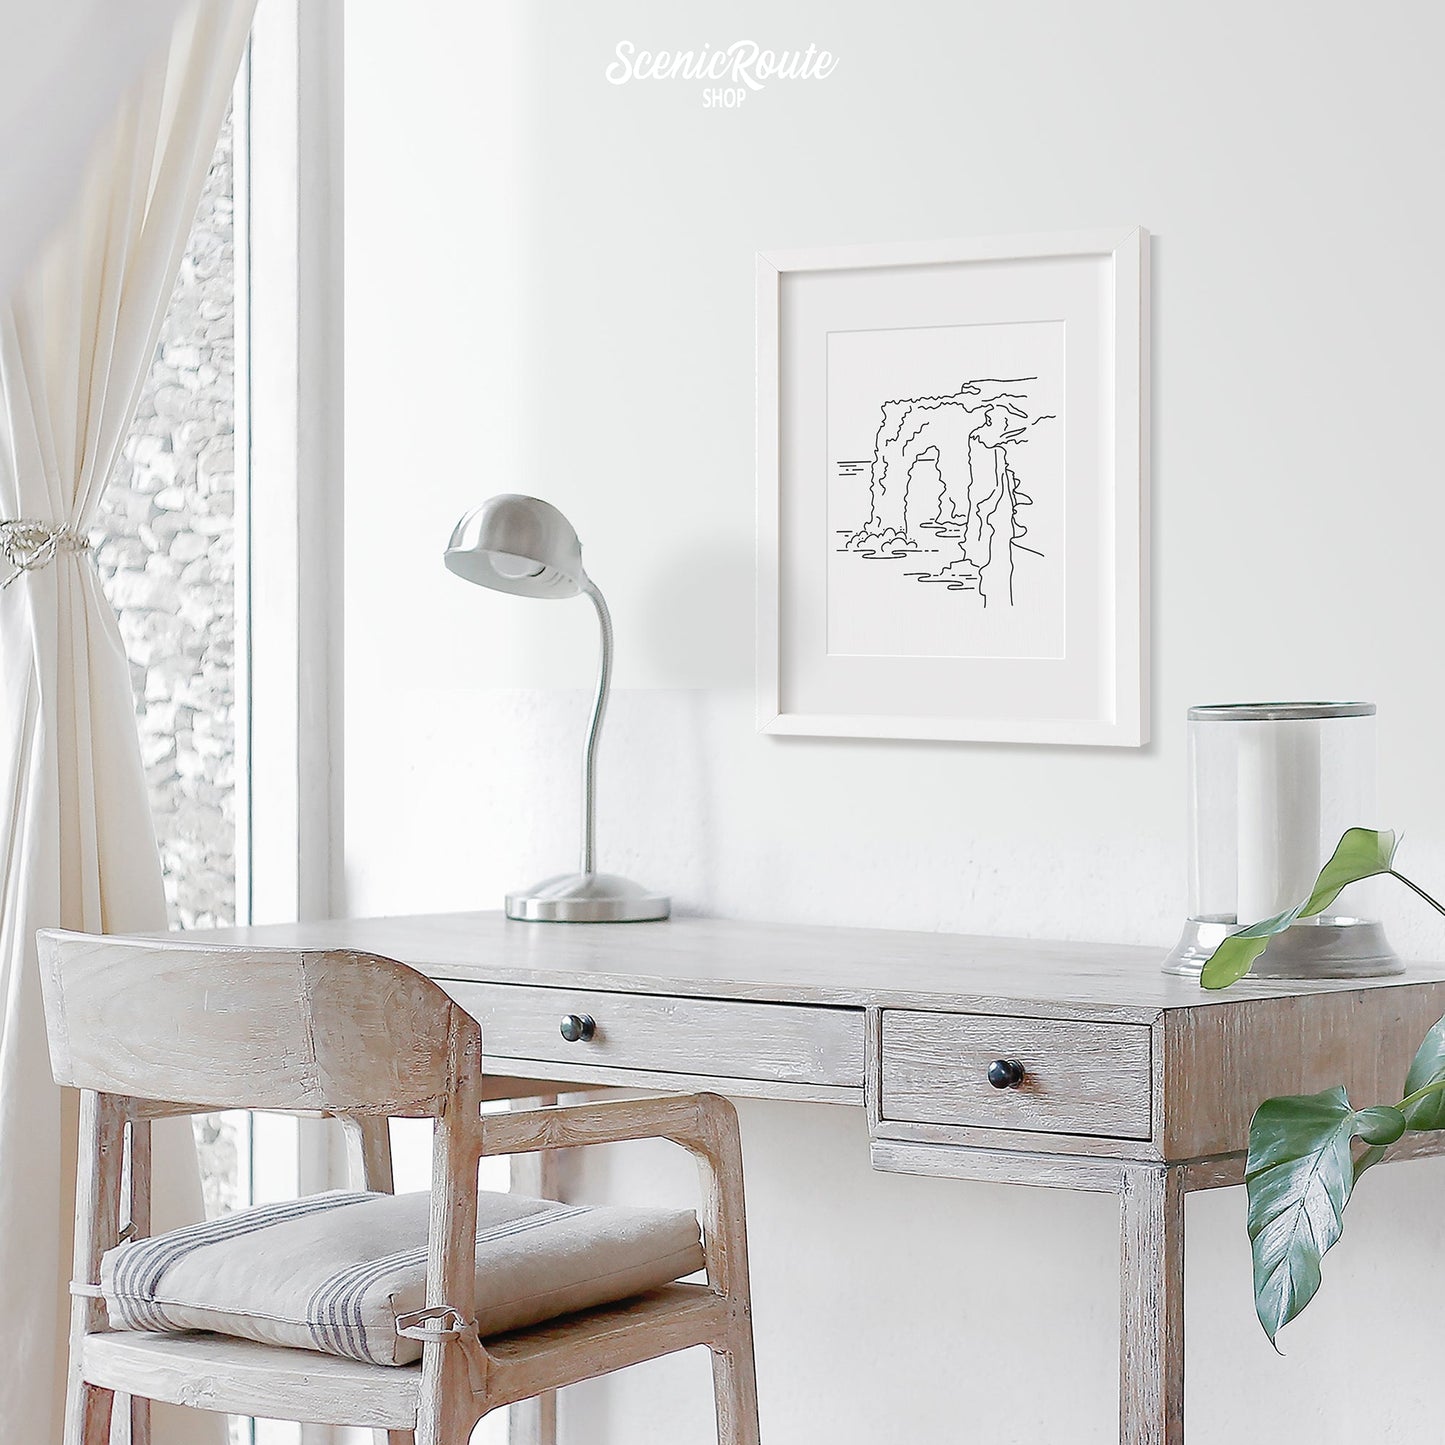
x=790, y=963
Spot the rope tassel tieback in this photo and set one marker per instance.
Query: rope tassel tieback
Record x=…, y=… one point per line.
x=29, y=546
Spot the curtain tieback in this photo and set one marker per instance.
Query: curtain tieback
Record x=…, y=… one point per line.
x=28, y=546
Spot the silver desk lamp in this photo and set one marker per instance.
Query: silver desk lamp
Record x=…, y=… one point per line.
x=527, y=547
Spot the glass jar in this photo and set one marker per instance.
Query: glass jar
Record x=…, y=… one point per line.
x=1272, y=786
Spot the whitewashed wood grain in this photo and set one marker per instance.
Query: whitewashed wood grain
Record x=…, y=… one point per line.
x=368, y=1153
x=245, y=1029
x=358, y=1037
x=1216, y=1056
x=1081, y=1078
x=211, y=1372
x=582, y=1074
x=98, y=1210
x=535, y=1176
x=1085, y=1173
x=788, y=1043
x=136, y=1192
x=1223, y=1061
x=1172, y=1073
x=1151, y=1306
x=791, y=963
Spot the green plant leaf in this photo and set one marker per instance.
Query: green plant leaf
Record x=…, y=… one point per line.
x=1360, y=853
x=1236, y=955
x=1369, y=1159
x=1379, y=1126
x=1299, y=1176
x=1428, y=1068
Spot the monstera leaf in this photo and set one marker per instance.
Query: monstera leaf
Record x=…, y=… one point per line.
x=1424, y=1108
x=1303, y=1165
x=1299, y=1176
x=1360, y=853
x=1236, y=955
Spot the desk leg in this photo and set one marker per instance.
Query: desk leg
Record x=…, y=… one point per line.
x=1151, y=1306
x=534, y=1422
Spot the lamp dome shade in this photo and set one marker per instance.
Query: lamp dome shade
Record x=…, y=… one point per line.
x=520, y=545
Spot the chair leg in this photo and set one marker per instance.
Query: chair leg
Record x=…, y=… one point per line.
x=534, y=1422
x=101, y=1146
x=735, y=1386
x=140, y=1421
x=454, y=1428
x=400, y=1437
x=138, y=1187
x=87, y=1414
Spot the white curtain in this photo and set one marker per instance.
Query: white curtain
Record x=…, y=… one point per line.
x=77, y=847
x=64, y=67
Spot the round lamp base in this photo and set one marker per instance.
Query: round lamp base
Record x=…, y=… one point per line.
x=588, y=898
x=1323, y=948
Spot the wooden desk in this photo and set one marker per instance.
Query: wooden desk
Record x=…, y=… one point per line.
x=1136, y=1083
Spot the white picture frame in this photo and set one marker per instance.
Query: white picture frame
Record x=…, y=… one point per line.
x=1046, y=338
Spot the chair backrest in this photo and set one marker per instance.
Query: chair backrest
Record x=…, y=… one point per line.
x=243, y=1028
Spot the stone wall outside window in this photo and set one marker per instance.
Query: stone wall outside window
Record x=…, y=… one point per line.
x=165, y=545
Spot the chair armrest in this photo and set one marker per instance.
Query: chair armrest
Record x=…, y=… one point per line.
x=706, y=1125
x=697, y=1122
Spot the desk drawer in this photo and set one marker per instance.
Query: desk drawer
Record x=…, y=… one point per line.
x=782, y=1043
x=1080, y=1078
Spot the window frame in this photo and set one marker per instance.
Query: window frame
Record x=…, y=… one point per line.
x=288, y=196
x=294, y=252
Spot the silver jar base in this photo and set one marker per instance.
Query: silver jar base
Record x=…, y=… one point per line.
x=1312, y=948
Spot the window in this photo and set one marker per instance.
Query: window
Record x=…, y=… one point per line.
x=167, y=554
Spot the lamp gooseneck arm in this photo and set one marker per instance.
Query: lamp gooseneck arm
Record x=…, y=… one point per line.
x=594, y=731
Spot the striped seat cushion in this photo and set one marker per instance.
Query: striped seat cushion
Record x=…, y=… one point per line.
x=333, y=1271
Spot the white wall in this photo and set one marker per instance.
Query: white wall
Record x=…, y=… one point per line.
x=550, y=290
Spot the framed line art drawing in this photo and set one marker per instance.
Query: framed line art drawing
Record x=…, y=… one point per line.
x=953, y=488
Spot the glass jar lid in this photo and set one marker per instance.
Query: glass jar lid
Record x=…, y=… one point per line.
x=1278, y=711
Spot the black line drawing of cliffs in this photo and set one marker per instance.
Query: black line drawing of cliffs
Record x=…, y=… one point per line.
x=944, y=488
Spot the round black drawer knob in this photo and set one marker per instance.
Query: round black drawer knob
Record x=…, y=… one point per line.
x=578, y=1028
x=1005, y=1073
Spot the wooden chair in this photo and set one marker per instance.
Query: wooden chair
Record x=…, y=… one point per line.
x=147, y=1029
